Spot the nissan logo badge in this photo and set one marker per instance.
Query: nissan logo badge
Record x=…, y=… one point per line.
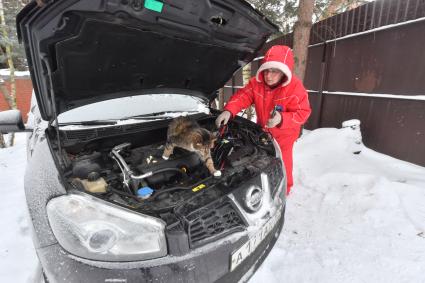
x=254, y=198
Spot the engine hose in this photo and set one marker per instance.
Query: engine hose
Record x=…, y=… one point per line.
x=181, y=171
x=135, y=180
x=151, y=173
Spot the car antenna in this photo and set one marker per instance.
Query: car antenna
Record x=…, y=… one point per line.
x=52, y=97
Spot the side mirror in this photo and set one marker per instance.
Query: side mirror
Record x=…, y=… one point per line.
x=11, y=122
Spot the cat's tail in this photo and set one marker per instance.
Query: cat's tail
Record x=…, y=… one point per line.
x=179, y=126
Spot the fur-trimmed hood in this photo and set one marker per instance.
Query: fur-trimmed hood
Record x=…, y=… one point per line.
x=278, y=57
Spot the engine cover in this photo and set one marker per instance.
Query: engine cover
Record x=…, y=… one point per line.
x=181, y=159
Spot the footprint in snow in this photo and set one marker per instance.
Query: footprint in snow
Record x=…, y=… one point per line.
x=23, y=226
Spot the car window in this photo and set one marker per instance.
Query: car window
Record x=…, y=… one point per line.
x=120, y=108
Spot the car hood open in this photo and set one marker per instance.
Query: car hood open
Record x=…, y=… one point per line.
x=85, y=51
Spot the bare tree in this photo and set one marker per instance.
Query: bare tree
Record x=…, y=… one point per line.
x=302, y=36
x=331, y=9
x=10, y=97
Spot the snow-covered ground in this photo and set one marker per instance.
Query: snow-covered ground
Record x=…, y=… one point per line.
x=349, y=218
x=17, y=256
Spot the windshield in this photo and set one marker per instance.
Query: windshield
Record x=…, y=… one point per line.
x=126, y=107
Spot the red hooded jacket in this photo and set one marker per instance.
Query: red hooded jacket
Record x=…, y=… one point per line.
x=290, y=95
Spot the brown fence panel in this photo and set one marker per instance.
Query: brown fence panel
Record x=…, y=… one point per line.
x=384, y=61
x=389, y=125
x=315, y=100
x=315, y=61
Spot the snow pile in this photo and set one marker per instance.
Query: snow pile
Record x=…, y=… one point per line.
x=10, y=117
x=6, y=72
x=17, y=255
x=350, y=218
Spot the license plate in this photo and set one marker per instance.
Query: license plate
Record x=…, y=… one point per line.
x=249, y=247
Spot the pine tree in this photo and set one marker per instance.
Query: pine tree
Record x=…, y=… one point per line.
x=274, y=10
x=325, y=8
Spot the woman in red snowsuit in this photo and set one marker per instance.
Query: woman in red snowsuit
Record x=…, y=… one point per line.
x=274, y=85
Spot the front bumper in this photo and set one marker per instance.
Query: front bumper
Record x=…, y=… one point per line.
x=210, y=263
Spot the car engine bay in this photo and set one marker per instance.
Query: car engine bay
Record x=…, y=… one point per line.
x=129, y=171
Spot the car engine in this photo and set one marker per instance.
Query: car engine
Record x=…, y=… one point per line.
x=181, y=191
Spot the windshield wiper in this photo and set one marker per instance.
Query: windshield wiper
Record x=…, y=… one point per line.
x=156, y=114
x=150, y=116
x=90, y=123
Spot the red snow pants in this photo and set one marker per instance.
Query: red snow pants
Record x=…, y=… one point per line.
x=286, y=144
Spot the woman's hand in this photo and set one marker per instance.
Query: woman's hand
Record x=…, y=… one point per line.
x=223, y=118
x=274, y=121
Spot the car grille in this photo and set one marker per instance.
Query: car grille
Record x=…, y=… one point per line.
x=214, y=222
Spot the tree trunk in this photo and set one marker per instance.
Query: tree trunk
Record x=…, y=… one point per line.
x=246, y=76
x=302, y=36
x=6, y=95
x=12, y=95
x=2, y=143
x=221, y=99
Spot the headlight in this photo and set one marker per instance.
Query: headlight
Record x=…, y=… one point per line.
x=93, y=229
